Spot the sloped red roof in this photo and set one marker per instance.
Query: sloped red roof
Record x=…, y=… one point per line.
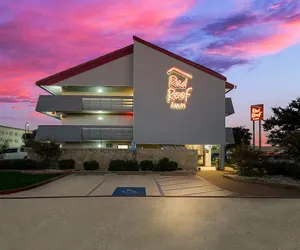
x=118, y=54
x=86, y=66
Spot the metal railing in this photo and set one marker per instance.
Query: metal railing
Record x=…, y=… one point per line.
x=108, y=103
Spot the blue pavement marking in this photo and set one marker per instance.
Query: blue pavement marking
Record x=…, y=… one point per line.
x=129, y=191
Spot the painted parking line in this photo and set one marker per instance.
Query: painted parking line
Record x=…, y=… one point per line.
x=97, y=186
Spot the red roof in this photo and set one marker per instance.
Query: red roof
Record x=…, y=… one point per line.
x=86, y=66
x=118, y=54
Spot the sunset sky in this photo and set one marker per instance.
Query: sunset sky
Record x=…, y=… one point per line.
x=254, y=43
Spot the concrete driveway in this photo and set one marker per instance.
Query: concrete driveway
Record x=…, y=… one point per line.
x=104, y=185
x=190, y=223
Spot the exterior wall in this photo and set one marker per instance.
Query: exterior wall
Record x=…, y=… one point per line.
x=104, y=93
x=13, y=135
x=115, y=73
x=96, y=145
x=82, y=119
x=202, y=122
x=187, y=159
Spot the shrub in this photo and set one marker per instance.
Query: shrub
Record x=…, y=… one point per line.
x=91, y=165
x=3, y=147
x=132, y=165
x=165, y=164
x=117, y=165
x=248, y=160
x=146, y=165
x=20, y=164
x=172, y=166
x=162, y=164
x=47, y=150
x=66, y=164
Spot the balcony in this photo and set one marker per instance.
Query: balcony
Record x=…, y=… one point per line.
x=229, y=110
x=75, y=104
x=78, y=133
x=229, y=138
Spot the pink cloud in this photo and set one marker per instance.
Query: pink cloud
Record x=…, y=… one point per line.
x=261, y=45
x=42, y=39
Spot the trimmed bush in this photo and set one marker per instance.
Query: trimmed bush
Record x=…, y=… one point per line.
x=146, y=165
x=66, y=164
x=132, y=166
x=20, y=164
x=117, y=165
x=165, y=164
x=91, y=165
x=172, y=166
x=162, y=164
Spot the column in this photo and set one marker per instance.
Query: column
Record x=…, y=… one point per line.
x=222, y=157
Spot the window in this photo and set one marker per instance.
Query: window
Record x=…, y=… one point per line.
x=10, y=133
x=22, y=150
x=16, y=140
x=10, y=140
x=6, y=133
x=16, y=134
x=122, y=146
x=109, y=145
x=2, y=132
x=11, y=150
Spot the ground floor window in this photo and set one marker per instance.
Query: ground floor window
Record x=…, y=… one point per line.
x=122, y=146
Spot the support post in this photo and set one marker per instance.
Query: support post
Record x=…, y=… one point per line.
x=259, y=134
x=221, y=157
x=253, y=134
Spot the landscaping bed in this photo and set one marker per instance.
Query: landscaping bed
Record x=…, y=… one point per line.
x=13, y=180
x=272, y=180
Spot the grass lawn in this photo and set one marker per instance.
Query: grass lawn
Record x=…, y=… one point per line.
x=13, y=180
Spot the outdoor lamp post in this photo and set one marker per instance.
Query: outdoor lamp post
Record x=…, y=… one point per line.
x=26, y=128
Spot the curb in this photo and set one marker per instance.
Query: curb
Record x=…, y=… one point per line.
x=12, y=191
x=162, y=173
x=276, y=185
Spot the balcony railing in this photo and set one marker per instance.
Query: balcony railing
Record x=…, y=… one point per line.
x=80, y=103
x=229, y=110
x=77, y=133
x=229, y=139
x=107, y=133
x=108, y=103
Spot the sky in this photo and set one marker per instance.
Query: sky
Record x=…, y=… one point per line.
x=254, y=43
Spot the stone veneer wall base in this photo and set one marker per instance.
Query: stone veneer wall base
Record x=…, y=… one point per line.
x=187, y=159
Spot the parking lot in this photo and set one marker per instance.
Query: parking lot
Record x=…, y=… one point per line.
x=105, y=185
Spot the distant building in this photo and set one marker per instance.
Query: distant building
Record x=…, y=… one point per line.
x=12, y=135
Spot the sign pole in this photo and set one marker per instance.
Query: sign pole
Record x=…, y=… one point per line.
x=253, y=134
x=259, y=134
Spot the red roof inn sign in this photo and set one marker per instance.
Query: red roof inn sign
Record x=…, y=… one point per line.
x=179, y=89
x=257, y=112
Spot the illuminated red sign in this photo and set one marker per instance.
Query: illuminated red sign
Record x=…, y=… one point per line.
x=178, y=90
x=257, y=112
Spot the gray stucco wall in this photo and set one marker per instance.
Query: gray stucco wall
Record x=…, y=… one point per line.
x=116, y=73
x=203, y=120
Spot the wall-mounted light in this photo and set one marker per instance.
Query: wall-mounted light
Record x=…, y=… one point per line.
x=100, y=90
x=100, y=118
x=99, y=145
x=100, y=112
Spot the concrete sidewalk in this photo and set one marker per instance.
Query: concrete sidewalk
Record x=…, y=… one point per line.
x=153, y=223
x=246, y=189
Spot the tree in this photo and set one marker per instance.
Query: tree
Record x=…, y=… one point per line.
x=242, y=137
x=47, y=150
x=28, y=138
x=284, y=129
x=3, y=147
